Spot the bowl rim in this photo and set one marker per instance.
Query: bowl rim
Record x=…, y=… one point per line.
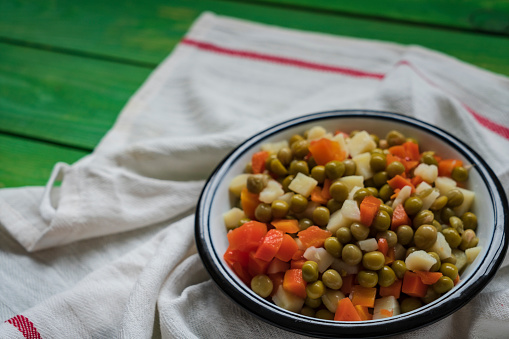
x=290, y=321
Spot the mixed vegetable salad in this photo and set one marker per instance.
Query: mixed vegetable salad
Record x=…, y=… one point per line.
x=350, y=227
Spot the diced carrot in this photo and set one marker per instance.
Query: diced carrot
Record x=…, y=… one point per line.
x=258, y=161
x=346, y=311
x=348, y=281
x=232, y=256
x=242, y=272
x=324, y=150
x=390, y=158
x=391, y=256
x=316, y=196
x=313, y=236
x=249, y=201
x=297, y=263
x=399, y=182
x=270, y=245
x=446, y=166
x=409, y=164
x=412, y=151
x=394, y=289
x=277, y=280
x=399, y=217
x=413, y=285
x=396, y=192
x=456, y=280
x=326, y=189
x=286, y=225
x=298, y=255
x=277, y=266
x=428, y=278
x=416, y=180
x=386, y=313
x=363, y=312
x=288, y=248
x=247, y=237
x=398, y=150
x=383, y=246
x=256, y=266
x=368, y=208
x=294, y=283
x=364, y=296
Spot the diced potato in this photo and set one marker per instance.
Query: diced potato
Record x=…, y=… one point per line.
x=468, y=199
x=428, y=200
x=428, y=173
x=368, y=245
x=233, y=217
x=363, y=166
x=337, y=220
x=386, y=307
x=445, y=184
x=403, y=195
x=422, y=187
x=472, y=253
x=340, y=139
x=316, y=132
x=302, y=184
x=237, y=184
x=287, y=197
x=331, y=299
x=287, y=300
x=274, y=147
x=342, y=267
x=441, y=247
x=419, y=261
x=361, y=142
x=352, y=181
x=350, y=210
x=461, y=258
x=319, y=255
x=271, y=192
x=352, y=192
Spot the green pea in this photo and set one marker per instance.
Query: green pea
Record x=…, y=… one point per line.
x=360, y=194
x=439, y=203
x=377, y=162
x=313, y=303
x=308, y=311
x=459, y=173
x=263, y=212
x=446, y=213
x=405, y=234
x=338, y=191
x=334, y=169
x=262, y=285
x=449, y=270
x=315, y=289
x=456, y=223
x=350, y=167
x=344, y=235
x=324, y=314
x=410, y=304
x=375, y=138
x=279, y=209
x=468, y=240
x=380, y=179
x=437, y=225
x=359, y=231
x=310, y=271
x=382, y=221
x=333, y=246
x=305, y=223
x=386, y=276
x=300, y=148
x=286, y=182
x=285, y=155
x=413, y=205
x=351, y=254
x=298, y=166
x=295, y=138
x=431, y=295
x=386, y=208
x=452, y=237
x=269, y=160
x=311, y=162
x=332, y=279
x=399, y=268
x=385, y=192
x=298, y=203
x=395, y=168
x=334, y=205
x=373, y=191
x=451, y=260
x=321, y=216
x=444, y=284
x=454, y=198
x=255, y=183
x=390, y=236
x=425, y=236
x=318, y=173
x=395, y=138
x=367, y=278
x=429, y=158
x=436, y=266
x=278, y=168
x=423, y=217
x=411, y=250
x=469, y=221
x=374, y=260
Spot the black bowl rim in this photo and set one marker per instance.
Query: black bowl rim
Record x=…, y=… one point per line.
x=297, y=323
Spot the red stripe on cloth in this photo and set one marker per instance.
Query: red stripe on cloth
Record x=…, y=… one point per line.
x=25, y=326
x=280, y=60
x=491, y=125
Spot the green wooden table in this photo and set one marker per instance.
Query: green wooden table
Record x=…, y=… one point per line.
x=67, y=67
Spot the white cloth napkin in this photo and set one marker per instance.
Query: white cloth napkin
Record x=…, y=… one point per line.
x=225, y=81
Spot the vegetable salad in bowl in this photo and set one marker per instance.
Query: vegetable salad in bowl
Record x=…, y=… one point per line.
x=350, y=226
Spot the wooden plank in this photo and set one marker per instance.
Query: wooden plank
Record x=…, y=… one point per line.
x=27, y=162
x=147, y=31
x=62, y=98
x=480, y=15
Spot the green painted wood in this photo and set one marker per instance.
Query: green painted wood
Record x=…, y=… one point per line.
x=481, y=15
x=26, y=162
x=146, y=32
x=62, y=98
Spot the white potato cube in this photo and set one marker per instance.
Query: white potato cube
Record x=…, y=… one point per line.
x=428, y=200
x=274, y=147
x=403, y=195
x=361, y=142
x=461, y=259
x=390, y=304
x=302, y=184
x=468, y=199
x=419, y=261
x=368, y=245
x=237, y=184
x=350, y=210
x=319, y=255
x=316, y=132
x=233, y=217
x=287, y=300
x=363, y=166
x=352, y=181
x=428, y=173
x=441, y=247
x=472, y=253
x=445, y=184
x=271, y=192
x=340, y=139
x=342, y=267
x=337, y=220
